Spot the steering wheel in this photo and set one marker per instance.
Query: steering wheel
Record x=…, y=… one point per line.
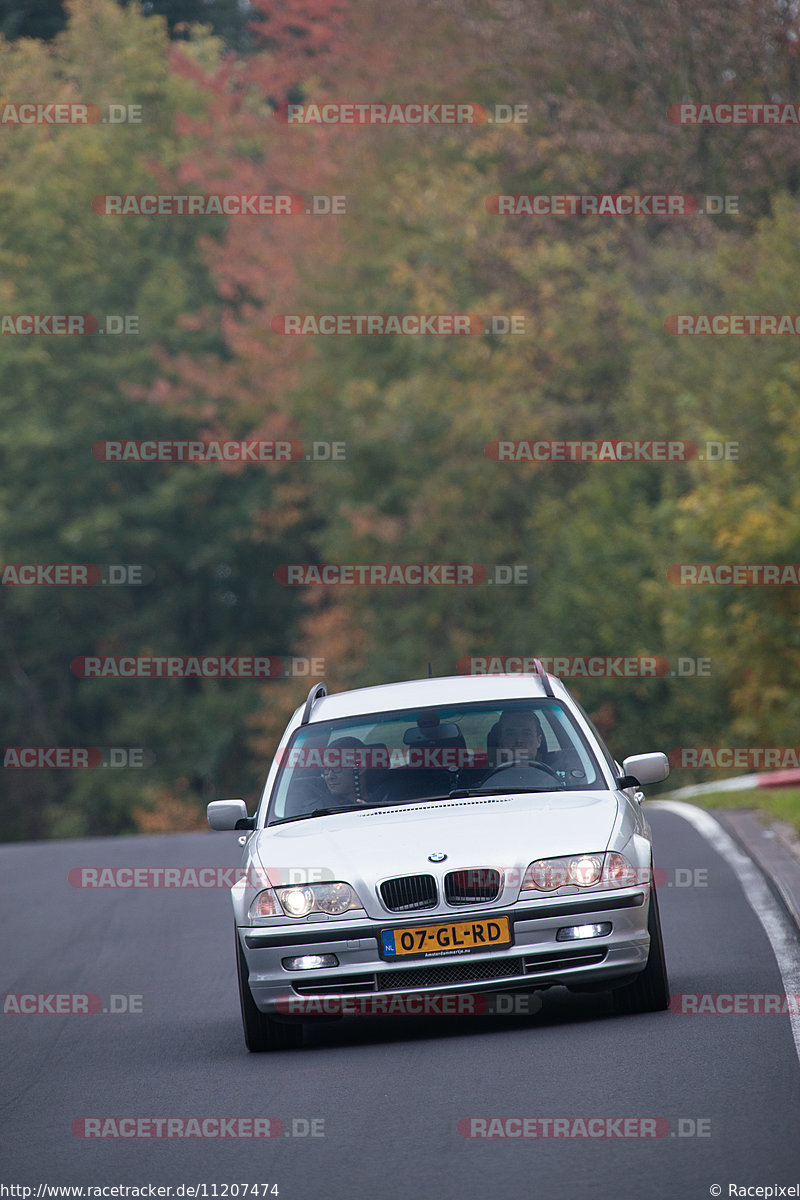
x=532, y=766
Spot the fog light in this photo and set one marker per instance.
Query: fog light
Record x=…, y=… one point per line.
x=310, y=962
x=574, y=933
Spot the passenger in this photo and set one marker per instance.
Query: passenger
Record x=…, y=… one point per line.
x=344, y=783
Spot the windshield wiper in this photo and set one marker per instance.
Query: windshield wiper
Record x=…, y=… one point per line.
x=468, y=793
x=464, y=793
x=325, y=812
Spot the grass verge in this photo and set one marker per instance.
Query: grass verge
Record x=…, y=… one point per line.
x=783, y=803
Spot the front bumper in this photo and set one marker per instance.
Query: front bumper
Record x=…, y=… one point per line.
x=534, y=960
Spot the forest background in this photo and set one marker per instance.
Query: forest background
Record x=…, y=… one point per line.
x=411, y=480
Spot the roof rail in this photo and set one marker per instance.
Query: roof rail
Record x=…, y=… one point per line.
x=545, y=678
x=317, y=692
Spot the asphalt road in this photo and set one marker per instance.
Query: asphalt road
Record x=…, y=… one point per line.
x=384, y=1096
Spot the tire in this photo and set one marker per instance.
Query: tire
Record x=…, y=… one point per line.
x=261, y=1032
x=649, y=992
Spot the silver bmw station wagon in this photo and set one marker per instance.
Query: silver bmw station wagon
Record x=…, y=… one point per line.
x=437, y=841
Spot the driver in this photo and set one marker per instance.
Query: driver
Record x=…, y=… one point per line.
x=517, y=737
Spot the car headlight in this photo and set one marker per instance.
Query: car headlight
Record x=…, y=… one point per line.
x=296, y=901
x=579, y=870
x=335, y=898
x=331, y=898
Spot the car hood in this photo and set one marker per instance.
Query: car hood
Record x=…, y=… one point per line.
x=364, y=847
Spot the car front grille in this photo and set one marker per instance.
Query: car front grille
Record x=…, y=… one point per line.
x=474, y=886
x=441, y=976
x=408, y=893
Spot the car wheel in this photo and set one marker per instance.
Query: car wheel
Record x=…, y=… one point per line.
x=649, y=992
x=261, y=1032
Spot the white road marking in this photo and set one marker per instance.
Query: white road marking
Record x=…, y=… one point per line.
x=778, y=927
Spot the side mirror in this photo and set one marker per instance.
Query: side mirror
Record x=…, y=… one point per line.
x=643, y=768
x=229, y=814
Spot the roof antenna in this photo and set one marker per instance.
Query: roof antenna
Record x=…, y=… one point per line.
x=430, y=671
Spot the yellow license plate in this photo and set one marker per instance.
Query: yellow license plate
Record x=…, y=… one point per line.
x=457, y=937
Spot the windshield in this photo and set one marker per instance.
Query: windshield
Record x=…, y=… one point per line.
x=424, y=754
